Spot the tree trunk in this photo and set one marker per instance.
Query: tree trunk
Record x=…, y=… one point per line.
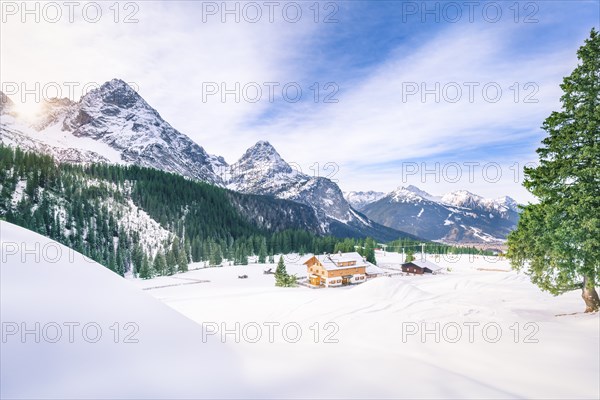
x=590, y=296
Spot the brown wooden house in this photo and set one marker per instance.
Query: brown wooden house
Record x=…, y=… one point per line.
x=420, y=267
x=336, y=269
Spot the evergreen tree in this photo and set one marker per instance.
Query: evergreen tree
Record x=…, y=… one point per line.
x=145, y=271
x=369, y=251
x=558, y=238
x=215, y=255
x=171, y=262
x=262, y=252
x=160, y=264
x=196, y=249
x=410, y=256
x=243, y=255
x=182, y=261
x=188, y=250
x=137, y=259
x=282, y=278
x=120, y=262
x=112, y=262
x=281, y=273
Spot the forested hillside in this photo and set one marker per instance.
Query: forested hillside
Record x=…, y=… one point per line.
x=148, y=221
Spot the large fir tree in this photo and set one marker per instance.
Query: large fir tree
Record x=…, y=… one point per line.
x=557, y=240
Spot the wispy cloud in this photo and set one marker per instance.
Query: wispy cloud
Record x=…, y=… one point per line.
x=373, y=55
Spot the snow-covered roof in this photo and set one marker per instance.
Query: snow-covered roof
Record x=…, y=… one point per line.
x=426, y=264
x=374, y=270
x=332, y=261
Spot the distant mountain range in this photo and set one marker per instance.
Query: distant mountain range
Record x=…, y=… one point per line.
x=114, y=124
x=457, y=217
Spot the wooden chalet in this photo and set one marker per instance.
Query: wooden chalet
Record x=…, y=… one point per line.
x=420, y=267
x=336, y=269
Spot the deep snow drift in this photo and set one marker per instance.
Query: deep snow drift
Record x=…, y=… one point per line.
x=78, y=351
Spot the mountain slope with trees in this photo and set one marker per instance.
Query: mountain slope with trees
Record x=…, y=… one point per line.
x=132, y=218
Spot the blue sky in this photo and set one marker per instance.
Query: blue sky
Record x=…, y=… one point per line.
x=372, y=54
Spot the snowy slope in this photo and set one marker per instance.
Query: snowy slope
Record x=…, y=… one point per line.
x=160, y=354
x=460, y=216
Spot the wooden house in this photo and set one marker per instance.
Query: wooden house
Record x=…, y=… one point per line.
x=420, y=267
x=336, y=269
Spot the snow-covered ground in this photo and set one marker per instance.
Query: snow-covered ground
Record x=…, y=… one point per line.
x=73, y=329
x=512, y=343
x=351, y=342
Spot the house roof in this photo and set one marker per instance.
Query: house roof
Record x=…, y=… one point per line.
x=374, y=270
x=331, y=261
x=426, y=264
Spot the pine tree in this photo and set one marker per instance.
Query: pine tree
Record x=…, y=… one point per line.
x=282, y=278
x=281, y=274
x=112, y=262
x=188, y=250
x=137, y=259
x=145, y=270
x=182, y=261
x=196, y=249
x=160, y=264
x=262, y=252
x=243, y=255
x=410, y=256
x=215, y=255
x=171, y=262
x=120, y=262
x=369, y=251
x=558, y=238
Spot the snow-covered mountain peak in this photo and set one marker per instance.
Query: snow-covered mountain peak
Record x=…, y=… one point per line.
x=117, y=93
x=6, y=104
x=116, y=124
x=466, y=199
x=508, y=202
x=418, y=191
x=462, y=198
x=408, y=194
x=52, y=111
x=360, y=199
x=263, y=151
x=262, y=168
x=459, y=216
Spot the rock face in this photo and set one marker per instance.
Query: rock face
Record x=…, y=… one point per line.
x=116, y=115
x=457, y=217
x=115, y=124
x=127, y=127
x=6, y=104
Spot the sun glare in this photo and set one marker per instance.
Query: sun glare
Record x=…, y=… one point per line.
x=30, y=111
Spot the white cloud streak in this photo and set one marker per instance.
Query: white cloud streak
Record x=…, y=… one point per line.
x=170, y=53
